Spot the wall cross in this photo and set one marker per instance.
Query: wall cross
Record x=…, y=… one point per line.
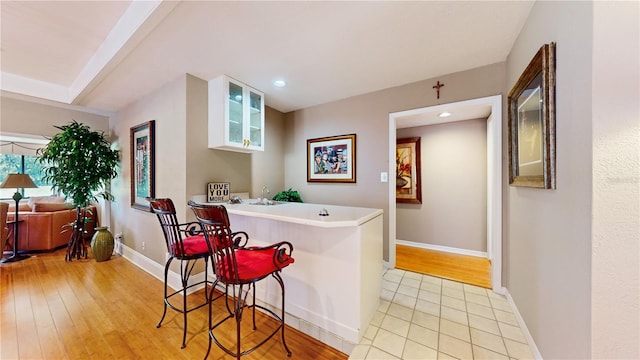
x=437, y=87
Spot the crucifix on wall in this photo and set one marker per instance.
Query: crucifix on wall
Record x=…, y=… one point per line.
x=437, y=86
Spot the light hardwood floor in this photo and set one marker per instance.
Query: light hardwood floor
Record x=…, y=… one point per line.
x=467, y=269
x=89, y=310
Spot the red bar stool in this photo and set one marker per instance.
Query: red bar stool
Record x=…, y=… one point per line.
x=238, y=266
x=185, y=243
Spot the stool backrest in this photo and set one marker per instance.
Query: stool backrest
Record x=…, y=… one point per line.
x=214, y=220
x=172, y=230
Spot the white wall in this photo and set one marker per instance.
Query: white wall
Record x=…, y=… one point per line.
x=548, y=243
x=32, y=118
x=167, y=106
x=267, y=167
x=453, y=212
x=615, y=261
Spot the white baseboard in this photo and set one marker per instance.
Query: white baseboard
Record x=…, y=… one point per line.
x=482, y=254
x=157, y=270
x=525, y=331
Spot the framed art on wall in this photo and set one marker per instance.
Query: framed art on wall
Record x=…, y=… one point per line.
x=408, y=182
x=142, y=148
x=332, y=159
x=532, y=123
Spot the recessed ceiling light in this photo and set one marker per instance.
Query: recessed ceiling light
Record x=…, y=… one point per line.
x=445, y=114
x=280, y=83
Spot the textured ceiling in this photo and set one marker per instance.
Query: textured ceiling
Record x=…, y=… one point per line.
x=107, y=54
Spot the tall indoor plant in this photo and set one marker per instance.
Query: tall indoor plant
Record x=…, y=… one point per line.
x=80, y=163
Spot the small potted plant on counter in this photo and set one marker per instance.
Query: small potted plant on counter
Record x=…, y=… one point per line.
x=288, y=196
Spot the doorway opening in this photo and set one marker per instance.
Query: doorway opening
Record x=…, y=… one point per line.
x=489, y=108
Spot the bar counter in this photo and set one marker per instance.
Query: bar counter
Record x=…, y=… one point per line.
x=333, y=288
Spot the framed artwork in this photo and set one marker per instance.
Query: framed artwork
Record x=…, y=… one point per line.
x=532, y=123
x=332, y=159
x=408, y=183
x=142, y=145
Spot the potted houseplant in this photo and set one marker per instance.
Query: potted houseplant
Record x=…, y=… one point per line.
x=80, y=163
x=288, y=196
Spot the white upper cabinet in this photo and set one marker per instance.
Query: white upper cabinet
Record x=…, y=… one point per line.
x=236, y=116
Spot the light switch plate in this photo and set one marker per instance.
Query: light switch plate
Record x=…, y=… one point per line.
x=384, y=177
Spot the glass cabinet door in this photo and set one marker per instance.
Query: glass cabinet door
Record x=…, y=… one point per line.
x=255, y=119
x=236, y=114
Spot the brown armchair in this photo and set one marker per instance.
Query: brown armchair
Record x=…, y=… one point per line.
x=45, y=226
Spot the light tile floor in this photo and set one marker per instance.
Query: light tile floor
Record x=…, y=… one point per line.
x=425, y=317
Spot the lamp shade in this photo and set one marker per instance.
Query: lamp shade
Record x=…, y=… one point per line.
x=18, y=181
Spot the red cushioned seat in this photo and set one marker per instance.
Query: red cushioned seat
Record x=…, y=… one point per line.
x=254, y=264
x=193, y=245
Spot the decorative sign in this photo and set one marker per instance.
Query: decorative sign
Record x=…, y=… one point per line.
x=217, y=192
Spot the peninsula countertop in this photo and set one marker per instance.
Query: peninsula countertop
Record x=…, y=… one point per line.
x=304, y=213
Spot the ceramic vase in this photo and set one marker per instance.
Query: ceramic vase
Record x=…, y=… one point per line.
x=102, y=244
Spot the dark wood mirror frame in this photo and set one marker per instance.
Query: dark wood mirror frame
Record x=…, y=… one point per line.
x=532, y=123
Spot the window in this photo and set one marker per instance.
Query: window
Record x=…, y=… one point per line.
x=25, y=164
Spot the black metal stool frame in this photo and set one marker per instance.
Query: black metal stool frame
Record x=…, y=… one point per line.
x=215, y=230
x=174, y=233
x=239, y=304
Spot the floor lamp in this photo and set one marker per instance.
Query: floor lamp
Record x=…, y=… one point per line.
x=16, y=181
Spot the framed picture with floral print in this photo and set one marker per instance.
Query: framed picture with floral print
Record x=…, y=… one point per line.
x=408, y=185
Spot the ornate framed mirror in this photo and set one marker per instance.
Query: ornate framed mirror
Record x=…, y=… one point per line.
x=532, y=123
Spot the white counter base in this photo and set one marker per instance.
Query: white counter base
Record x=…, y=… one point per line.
x=332, y=290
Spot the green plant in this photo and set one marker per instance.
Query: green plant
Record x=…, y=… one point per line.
x=288, y=195
x=80, y=163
